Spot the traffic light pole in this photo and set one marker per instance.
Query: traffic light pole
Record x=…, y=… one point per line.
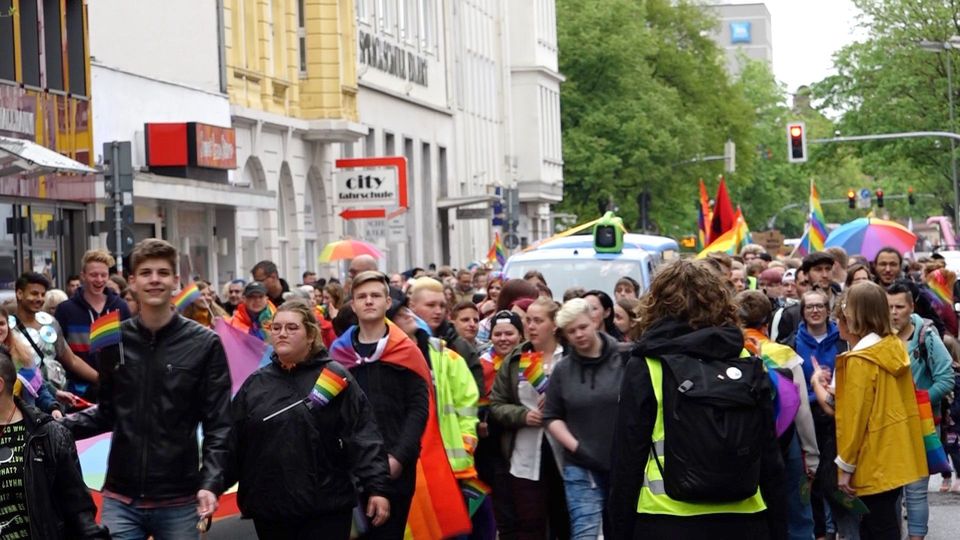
x=117, y=203
x=954, y=137
x=772, y=222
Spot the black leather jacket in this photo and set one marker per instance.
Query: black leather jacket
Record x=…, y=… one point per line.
x=153, y=399
x=58, y=502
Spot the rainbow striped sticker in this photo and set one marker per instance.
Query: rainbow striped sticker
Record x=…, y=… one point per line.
x=328, y=386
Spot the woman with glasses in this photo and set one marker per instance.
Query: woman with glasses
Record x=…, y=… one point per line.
x=879, y=438
x=517, y=402
x=302, y=431
x=584, y=389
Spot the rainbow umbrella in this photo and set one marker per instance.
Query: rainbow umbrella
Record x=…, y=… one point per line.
x=867, y=236
x=348, y=249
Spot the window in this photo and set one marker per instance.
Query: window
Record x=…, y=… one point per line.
x=370, y=143
x=427, y=27
x=363, y=11
x=52, y=44
x=442, y=169
x=76, y=57
x=387, y=15
x=29, y=44
x=302, y=38
x=8, y=59
x=409, y=21
x=389, y=144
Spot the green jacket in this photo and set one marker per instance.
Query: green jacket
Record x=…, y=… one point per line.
x=505, y=407
x=457, y=397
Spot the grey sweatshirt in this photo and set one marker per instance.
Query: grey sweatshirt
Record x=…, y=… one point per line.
x=584, y=393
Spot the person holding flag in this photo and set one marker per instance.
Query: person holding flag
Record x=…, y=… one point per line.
x=394, y=375
x=162, y=377
x=302, y=430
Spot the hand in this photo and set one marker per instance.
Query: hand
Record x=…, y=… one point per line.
x=395, y=467
x=534, y=418
x=483, y=430
x=67, y=398
x=844, y=484
x=541, y=401
x=378, y=510
x=56, y=414
x=206, y=503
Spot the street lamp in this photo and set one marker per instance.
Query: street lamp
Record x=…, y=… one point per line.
x=938, y=47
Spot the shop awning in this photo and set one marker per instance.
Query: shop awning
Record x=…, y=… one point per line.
x=168, y=188
x=18, y=156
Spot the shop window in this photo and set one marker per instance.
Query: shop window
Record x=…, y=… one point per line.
x=8, y=69
x=53, y=53
x=29, y=44
x=76, y=57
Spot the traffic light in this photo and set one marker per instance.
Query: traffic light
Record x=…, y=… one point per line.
x=796, y=142
x=879, y=198
x=910, y=198
x=851, y=199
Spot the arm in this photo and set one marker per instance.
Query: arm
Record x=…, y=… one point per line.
x=407, y=447
x=804, y=423
x=46, y=401
x=365, y=452
x=100, y=418
x=235, y=441
x=554, y=413
x=215, y=417
x=859, y=391
x=941, y=370
x=465, y=397
x=631, y=446
x=510, y=415
x=76, y=505
x=77, y=366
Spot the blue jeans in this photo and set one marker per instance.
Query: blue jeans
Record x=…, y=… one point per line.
x=799, y=511
x=918, y=511
x=586, y=497
x=127, y=522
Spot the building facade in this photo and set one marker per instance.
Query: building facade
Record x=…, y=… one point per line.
x=44, y=99
x=743, y=31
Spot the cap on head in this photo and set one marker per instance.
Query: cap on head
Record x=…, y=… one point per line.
x=815, y=259
x=254, y=287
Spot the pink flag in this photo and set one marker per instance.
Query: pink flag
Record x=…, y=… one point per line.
x=245, y=353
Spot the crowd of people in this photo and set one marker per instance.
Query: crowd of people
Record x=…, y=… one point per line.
x=746, y=396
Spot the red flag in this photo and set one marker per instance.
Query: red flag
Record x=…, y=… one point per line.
x=724, y=218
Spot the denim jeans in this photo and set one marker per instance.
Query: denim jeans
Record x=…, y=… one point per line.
x=799, y=511
x=918, y=511
x=586, y=497
x=127, y=522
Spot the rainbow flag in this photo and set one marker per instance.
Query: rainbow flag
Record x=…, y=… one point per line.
x=730, y=241
x=531, y=370
x=704, y=216
x=105, y=331
x=936, y=456
x=497, y=253
x=815, y=232
x=941, y=285
x=328, y=386
x=474, y=492
x=186, y=296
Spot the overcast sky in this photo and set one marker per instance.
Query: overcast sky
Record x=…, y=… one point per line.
x=805, y=35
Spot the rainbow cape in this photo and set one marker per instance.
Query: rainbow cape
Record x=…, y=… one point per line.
x=437, y=509
x=186, y=296
x=786, y=398
x=531, y=370
x=328, y=386
x=105, y=331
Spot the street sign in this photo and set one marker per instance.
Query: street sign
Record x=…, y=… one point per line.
x=126, y=215
x=126, y=240
x=473, y=213
x=373, y=213
x=397, y=229
x=367, y=187
x=511, y=241
x=864, y=199
x=375, y=229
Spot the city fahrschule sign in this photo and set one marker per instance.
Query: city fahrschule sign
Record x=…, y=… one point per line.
x=390, y=58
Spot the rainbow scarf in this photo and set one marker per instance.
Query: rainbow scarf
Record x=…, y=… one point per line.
x=328, y=386
x=258, y=326
x=186, y=296
x=531, y=370
x=437, y=509
x=474, y=492
x=490, y=362
x=105, y=331
x=936, y=456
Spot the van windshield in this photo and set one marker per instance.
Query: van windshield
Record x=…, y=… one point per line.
x=587, y=273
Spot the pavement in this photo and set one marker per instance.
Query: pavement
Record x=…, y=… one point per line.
x=944, y=521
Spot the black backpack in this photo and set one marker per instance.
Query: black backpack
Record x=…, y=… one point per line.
x=715, y=427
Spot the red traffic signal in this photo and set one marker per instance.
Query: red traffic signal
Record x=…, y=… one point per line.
x=910, y=198
x=879, y=198
x=796, y=142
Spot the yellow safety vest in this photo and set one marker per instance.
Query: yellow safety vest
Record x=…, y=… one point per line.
x=653, y=498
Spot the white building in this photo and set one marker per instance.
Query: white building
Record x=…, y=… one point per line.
x=468, y=92
x=158, y=63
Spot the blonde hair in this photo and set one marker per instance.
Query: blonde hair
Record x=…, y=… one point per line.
x=97, y=256
x=424, y=284
x=571, y=310
x=865, y=310
x=309, y=320
x=19, y=350
x=52, y=299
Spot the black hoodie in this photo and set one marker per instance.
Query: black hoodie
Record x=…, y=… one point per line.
x=638, y=412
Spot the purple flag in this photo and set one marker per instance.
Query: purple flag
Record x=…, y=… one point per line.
x=245, y=353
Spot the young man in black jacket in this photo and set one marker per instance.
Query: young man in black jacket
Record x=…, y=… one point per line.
x=41, y=485
x=165, y=377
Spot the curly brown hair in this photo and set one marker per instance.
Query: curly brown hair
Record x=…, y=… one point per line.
x=689, y=291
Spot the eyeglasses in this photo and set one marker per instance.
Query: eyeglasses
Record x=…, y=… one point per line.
x=291, y=328
x=815, y=307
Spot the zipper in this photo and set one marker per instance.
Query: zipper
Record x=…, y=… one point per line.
x=145, y=425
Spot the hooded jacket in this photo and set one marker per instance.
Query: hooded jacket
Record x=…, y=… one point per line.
x=75, y=316
x=584, y=393
x=824, y=351
x=879, y=437
x=638, y=412
x=935, y=372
